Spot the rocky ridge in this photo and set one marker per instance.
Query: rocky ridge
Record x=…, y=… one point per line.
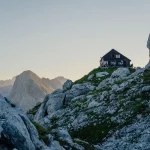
x=17, y=132
x=106, y=109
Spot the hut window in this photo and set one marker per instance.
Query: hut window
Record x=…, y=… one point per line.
x=117, y=56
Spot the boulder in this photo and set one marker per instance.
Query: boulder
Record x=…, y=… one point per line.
x=50, y=139
x=93, y=104
x=67, y=85
x=105, y=83
x=55, y=102
x=120, y=73
x=80, y=121
x=52, y=103
x=146, y=89
x=56, y=146
x=101, y=74
x=16, y=130
x=76, y=90
x=90, y=86
x=115, y=88
x=112, y=97
x=63, y=135
x=90, y=77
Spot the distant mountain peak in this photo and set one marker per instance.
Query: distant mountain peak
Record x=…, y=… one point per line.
x=29, y=89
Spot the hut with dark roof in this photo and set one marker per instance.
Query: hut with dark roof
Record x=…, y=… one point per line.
x=114, y=58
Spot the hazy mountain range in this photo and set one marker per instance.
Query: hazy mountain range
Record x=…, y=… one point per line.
x=28, y=89
x=6, y=86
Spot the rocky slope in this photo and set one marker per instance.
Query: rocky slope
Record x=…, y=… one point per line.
x=18, y=133
x=108, y=109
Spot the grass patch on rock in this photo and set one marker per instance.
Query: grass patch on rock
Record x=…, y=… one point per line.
x=99, y=91
x=146, y=76
x=34, y=110
x=132, y=70
x=95, y=80
x=94, y=133
x=42, y=132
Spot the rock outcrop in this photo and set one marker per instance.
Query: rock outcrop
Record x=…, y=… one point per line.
x=148, y=42
x=67, y=85
x=16, y=131
x=108, y=112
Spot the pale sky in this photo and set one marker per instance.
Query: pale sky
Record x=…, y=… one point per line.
x=67, y=37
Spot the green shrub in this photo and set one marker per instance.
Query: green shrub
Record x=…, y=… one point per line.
x=34, y=110
x=132, y=70
x=119, y=82
x=99, y=91
x=42, y=132
x=94, y=133
x=146, y=76
x=54, y=119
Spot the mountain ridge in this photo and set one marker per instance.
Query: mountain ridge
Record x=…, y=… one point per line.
x=29, y=89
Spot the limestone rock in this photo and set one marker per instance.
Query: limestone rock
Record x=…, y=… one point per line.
x=146, y=89
x=148, y=42
x=89, y=86
x=101, y=74
x=76, y=90
x=15, y=128
x=93, y=104
x=120, y=73
x=67, y=85
x=90, y=76
x=114, y=115
x=56, y=146
x=52, y=103
x=63, y=135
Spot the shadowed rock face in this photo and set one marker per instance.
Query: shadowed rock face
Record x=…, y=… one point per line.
x=16, y=131
x=148, y=42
